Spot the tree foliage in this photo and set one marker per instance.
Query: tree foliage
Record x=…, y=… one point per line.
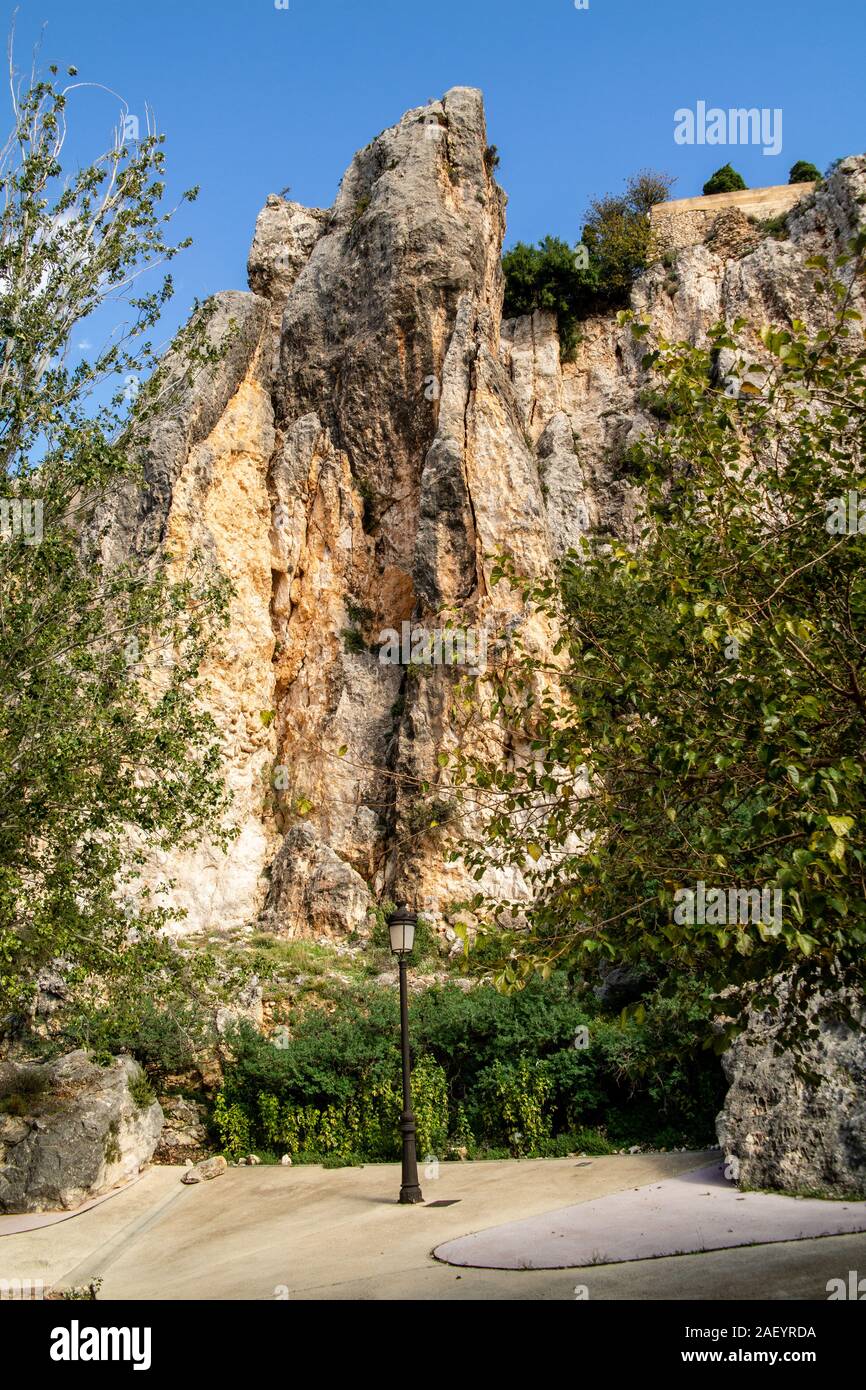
x=99, y=739
x=725, y=180
x=618, y=233
x=709, y=723
x=573, y=282
x=804, y=172
x=549, y=277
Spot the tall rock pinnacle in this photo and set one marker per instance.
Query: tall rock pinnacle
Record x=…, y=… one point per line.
x=365, y=448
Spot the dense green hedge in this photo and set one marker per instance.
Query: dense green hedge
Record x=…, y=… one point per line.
x=492, y=1073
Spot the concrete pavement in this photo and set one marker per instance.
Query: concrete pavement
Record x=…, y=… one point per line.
x=687, y=1214
x=306, y=1233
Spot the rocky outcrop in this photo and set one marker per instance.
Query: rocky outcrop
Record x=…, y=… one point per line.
x=310, y=883
x=366, y=462
x=70, y=1130
x=798, y=1123
x=184, y=1134
x=689, y=221
x=372, y=438
x=582, y=416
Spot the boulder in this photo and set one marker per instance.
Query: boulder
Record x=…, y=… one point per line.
x=71, y=1130
x=205, y=1172
x=620, y=985
x=310, y=883
x=798, y=1125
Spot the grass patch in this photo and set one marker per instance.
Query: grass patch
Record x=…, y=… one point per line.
x=19, y=1093
x=298, y=957
x=142, y=1092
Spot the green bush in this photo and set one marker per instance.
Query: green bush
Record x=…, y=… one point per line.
x=353, y=641
x=163, y=1040
x=617, y=238
x=725, y=180
x=142, y=1092
x=776, y=227
x=491, y=1072
x=804, y=172
x=365, y=1127
x=19, y=1095
x=512, y=1104
x=547, y=277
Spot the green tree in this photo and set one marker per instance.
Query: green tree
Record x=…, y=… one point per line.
x=99, y=745
x=618, y=234
x=804, y=172
x=709, y=721
x=573, y=282
x=724, y=180
x=549, y=277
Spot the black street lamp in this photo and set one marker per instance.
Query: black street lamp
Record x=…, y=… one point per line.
x=401, y=925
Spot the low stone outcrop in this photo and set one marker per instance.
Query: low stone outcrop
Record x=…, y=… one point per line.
x=71, y=1130
x=797, y=1128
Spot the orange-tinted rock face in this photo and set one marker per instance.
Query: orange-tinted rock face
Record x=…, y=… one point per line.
x=373, y=438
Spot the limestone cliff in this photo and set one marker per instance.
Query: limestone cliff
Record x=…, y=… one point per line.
x=373, y=436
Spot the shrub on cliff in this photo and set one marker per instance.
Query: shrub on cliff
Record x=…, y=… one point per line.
x=804, y=172
x=548, y=277
x=724, y=180
x=618, y=234
x=575, y=282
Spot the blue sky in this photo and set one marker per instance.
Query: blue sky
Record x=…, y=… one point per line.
x=253, y=98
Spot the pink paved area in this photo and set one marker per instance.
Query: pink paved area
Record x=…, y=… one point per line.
x=696, y=1211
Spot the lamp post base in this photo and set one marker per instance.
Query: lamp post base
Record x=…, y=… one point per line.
x=410, y=1190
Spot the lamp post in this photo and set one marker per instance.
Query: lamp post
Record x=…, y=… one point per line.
x=401, y=925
